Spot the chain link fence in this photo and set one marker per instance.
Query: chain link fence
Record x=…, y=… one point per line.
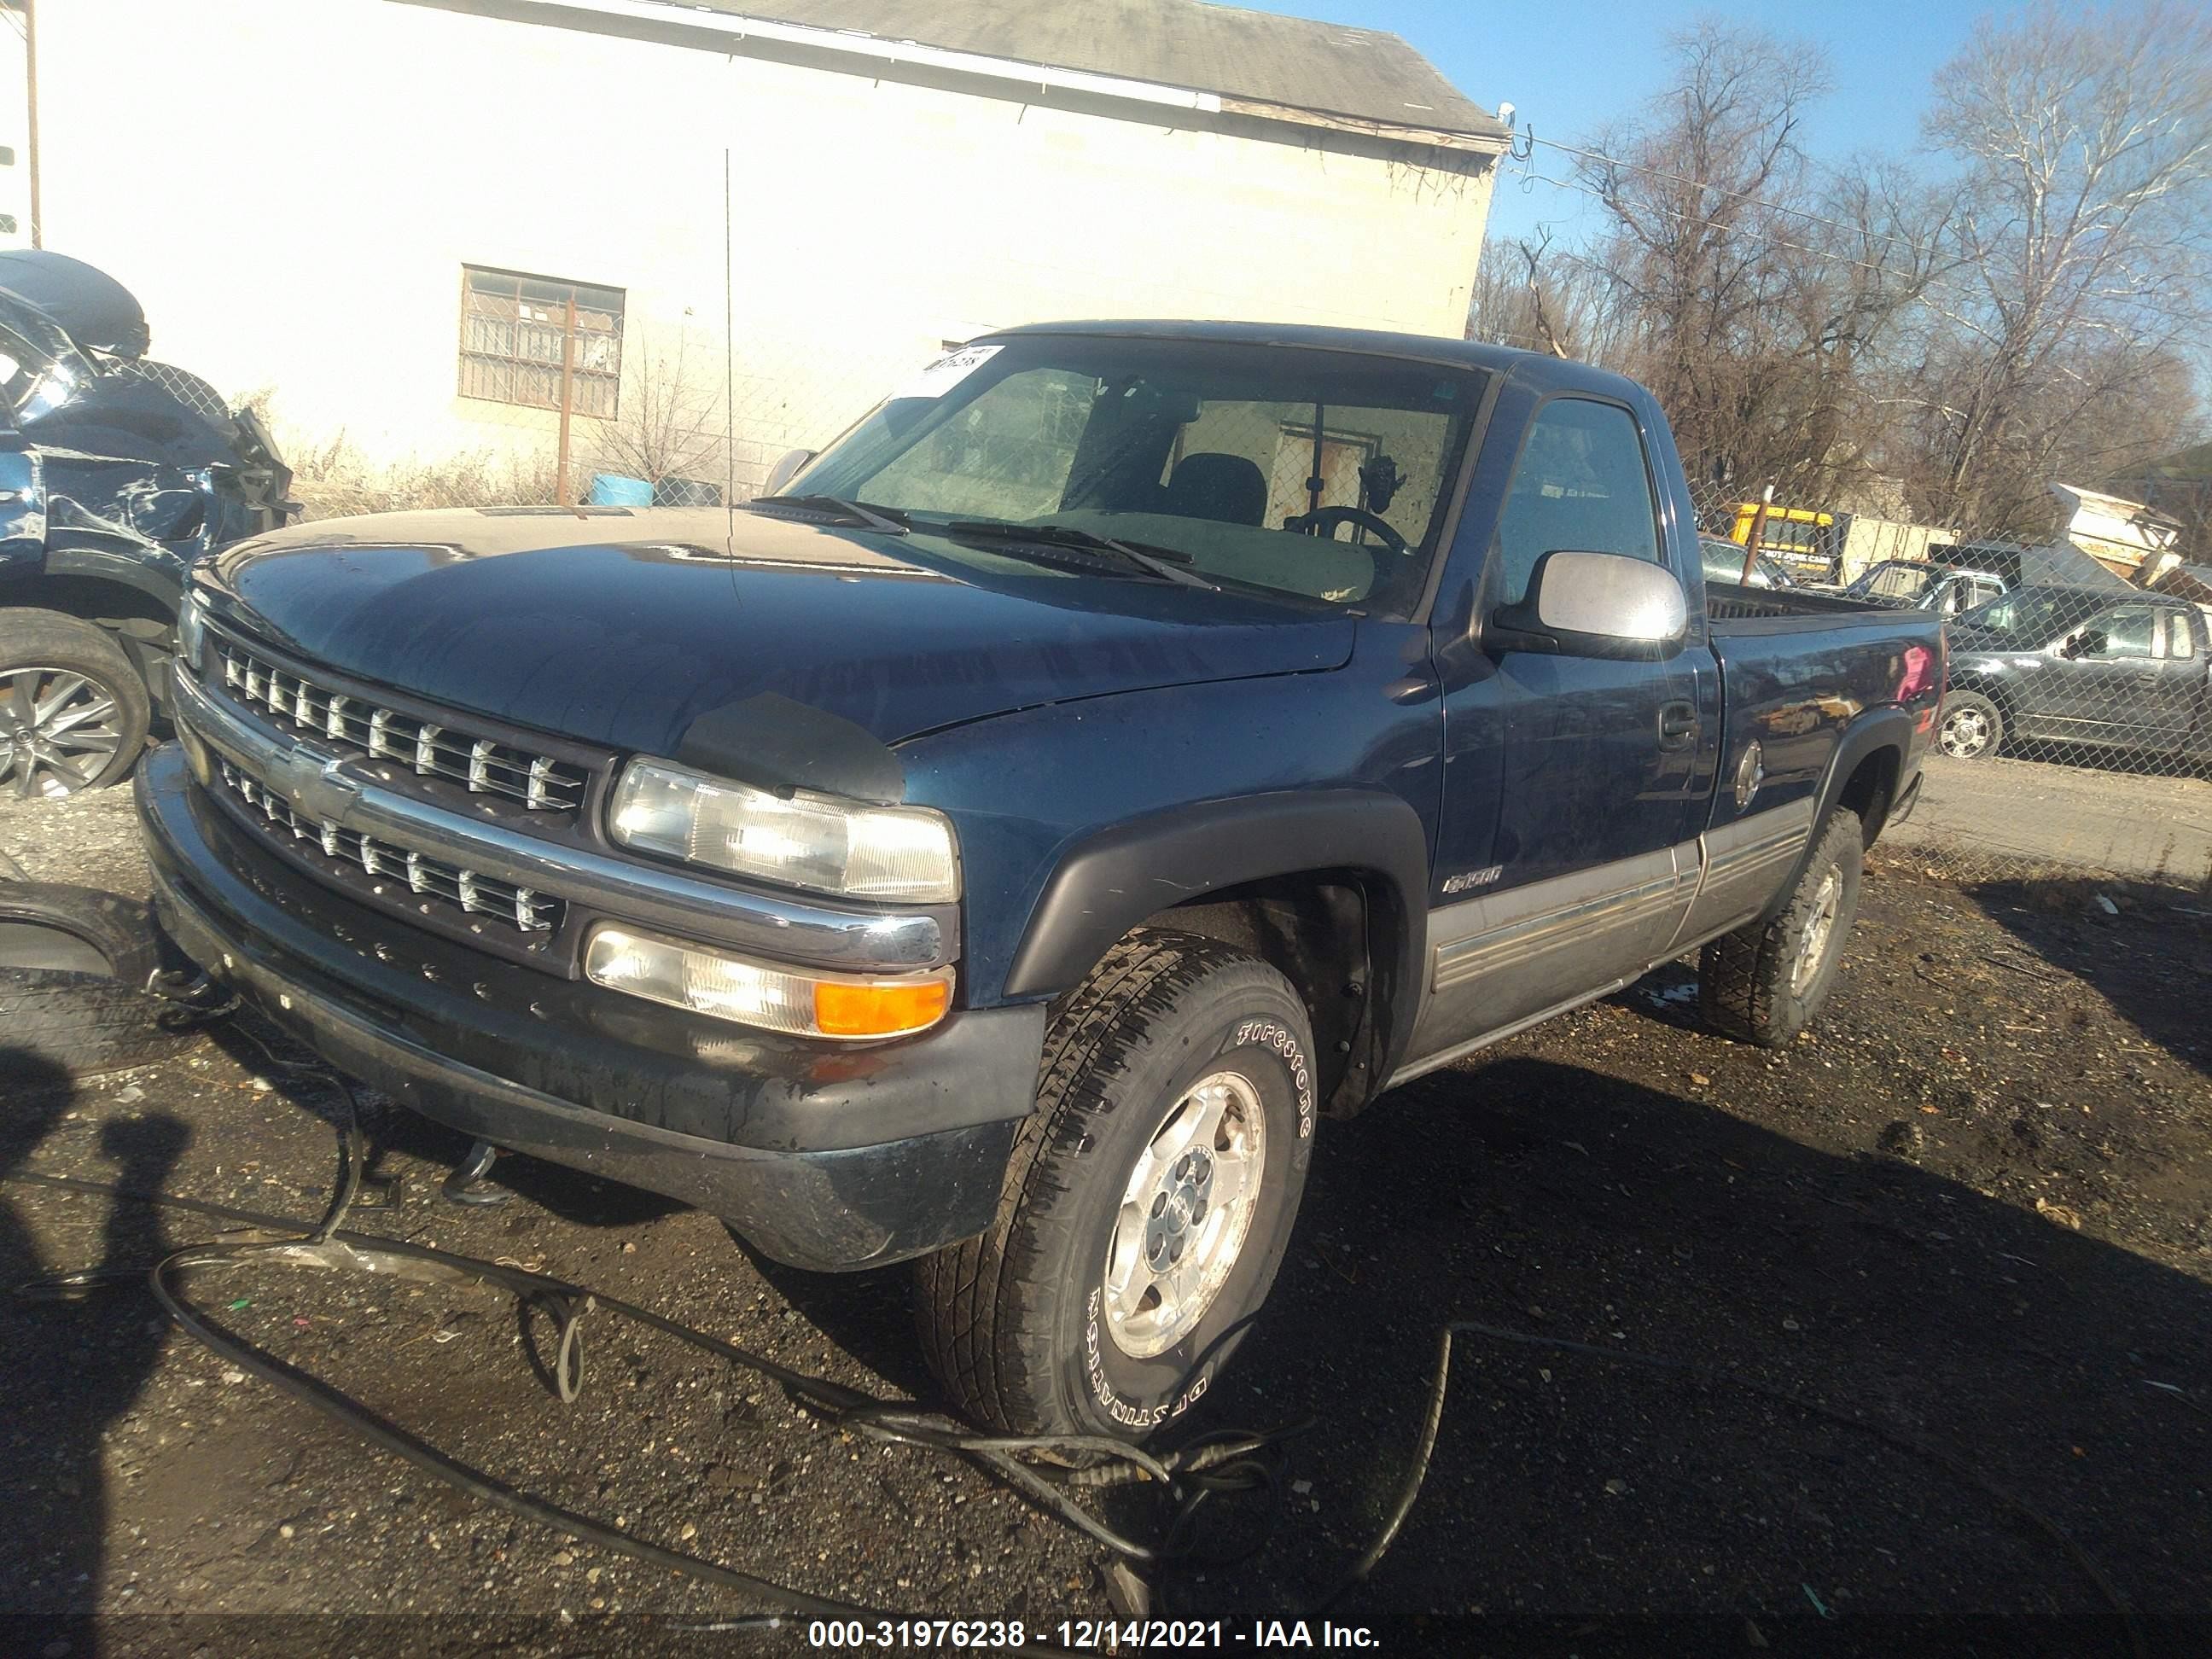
x=2075, y=738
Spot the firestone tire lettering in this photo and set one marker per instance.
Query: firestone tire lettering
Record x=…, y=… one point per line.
x=1268, y=1034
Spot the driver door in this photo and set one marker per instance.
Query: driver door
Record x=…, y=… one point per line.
x=2117, y=685
x=1572, y=784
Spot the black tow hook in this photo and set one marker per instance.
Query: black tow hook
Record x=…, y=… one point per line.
x=193, y=998
x=467, y=1184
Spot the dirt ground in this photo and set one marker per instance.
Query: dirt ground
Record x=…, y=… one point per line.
x=1975, y=1209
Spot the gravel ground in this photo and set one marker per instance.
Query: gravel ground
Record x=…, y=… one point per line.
x=1975, y=1209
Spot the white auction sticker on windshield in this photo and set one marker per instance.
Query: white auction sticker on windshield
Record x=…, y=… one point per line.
x=947, y=372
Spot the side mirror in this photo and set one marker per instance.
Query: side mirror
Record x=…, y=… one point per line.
x=1595, y=605
x=787, y=468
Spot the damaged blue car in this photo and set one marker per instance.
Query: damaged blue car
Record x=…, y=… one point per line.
x=116, y=471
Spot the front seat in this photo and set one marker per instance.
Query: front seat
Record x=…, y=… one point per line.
x=1227, y=488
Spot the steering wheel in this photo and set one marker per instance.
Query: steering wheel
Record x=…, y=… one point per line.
x=1324, y=520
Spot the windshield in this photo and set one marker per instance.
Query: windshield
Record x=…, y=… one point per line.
x=1893, y=581
x=1313, y=475
x=2027, y=617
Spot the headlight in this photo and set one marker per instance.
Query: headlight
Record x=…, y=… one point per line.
x=190, y=630
x=806, y=840
x=730, y=987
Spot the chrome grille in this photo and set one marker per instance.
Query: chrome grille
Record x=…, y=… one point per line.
x=481, y=765
x=522, y=907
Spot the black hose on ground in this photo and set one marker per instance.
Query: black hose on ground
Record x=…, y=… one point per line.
x=330, y=1245
x=1218, y=1462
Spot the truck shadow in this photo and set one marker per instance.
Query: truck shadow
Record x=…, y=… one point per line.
x=870, y=1314
x=1557, y=1201
x=1560, y=1202
x=2063, y=1369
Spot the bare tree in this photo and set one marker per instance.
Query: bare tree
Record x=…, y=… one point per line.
x=669, y=423
x=1699, y=195
x=2083, y=239
x=1530, y=295
x=1857, y=276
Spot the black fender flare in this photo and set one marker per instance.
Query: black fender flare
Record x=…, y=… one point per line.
x=1110, y=882
x=1886, y=728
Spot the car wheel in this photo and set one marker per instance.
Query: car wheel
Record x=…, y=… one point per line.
x=1767, y=982
x=73, y=711
x=1147, y=1203
x=1972, y=728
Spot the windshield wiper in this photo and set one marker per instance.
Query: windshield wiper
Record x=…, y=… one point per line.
x=1157, y=562
x=888, y=520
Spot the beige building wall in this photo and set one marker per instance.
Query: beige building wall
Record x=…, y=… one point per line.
x=317, y=175
x=14, y=133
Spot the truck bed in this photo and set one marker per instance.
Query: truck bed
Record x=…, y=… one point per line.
x=1798, y=669
x=1744, y=611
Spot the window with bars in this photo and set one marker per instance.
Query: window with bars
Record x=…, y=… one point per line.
x=515, y=329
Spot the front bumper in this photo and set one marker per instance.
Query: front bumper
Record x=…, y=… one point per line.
x=824, y=1156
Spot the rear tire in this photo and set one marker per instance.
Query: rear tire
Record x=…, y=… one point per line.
x=1971, y=726
x=1147, y=1204
x=74, y=712
x=1767, y=981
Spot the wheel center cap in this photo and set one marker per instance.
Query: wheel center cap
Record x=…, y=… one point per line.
x=1180, y=1206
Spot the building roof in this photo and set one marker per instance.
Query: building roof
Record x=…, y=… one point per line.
x=1296, y=62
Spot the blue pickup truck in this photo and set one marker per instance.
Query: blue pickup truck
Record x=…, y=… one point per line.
x=1126, y=746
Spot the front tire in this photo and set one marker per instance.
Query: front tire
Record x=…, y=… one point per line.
x=74, y=713
x=1147, y=1204
x=1767, y=981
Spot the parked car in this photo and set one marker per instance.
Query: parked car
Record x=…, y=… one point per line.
x=1723, y=562
x=1920, y=584
x=1121, y=750
x=2118, y=669
x=116, y=472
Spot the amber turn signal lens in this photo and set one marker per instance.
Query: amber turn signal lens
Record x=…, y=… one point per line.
x=777, y=998
x=889, y=1008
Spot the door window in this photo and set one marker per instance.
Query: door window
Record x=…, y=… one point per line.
x=1581, y=485
x=2180, y=643
x=2128, y=630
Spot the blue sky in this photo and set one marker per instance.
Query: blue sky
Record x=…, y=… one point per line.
x=1570, y=66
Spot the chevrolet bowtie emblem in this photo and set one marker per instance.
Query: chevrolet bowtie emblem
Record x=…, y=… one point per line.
x=313, y=780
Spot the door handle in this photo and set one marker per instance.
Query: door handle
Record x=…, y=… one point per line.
x=1678, y=724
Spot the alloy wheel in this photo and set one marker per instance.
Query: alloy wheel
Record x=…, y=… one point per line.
x=59, y=729
x=1965, y=733
x=1185, y=1214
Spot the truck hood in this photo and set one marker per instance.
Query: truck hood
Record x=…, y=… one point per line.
x=622, y=627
